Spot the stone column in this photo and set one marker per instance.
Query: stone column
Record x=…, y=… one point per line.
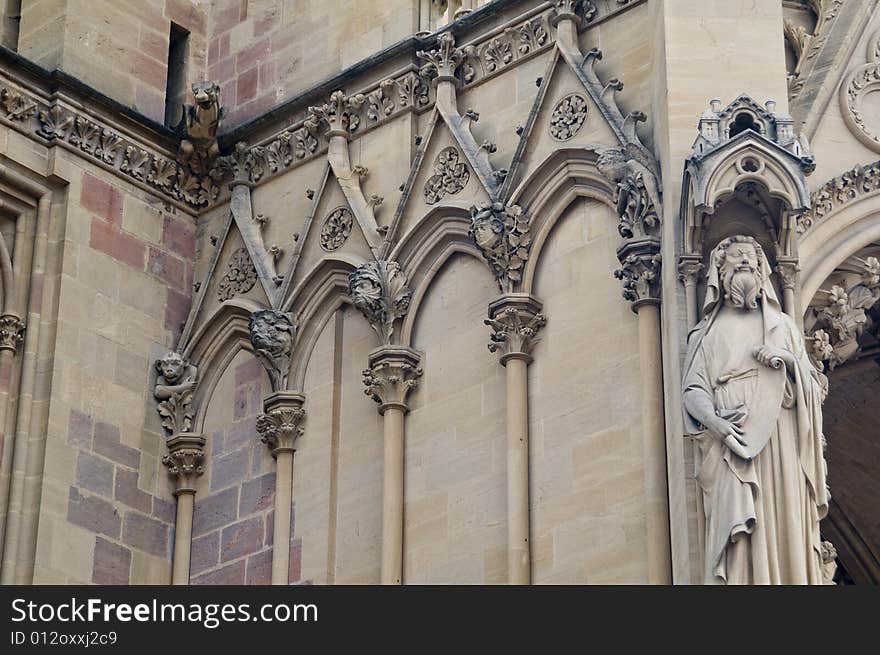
x=279, y=427
x=788, y=268
x=640, y=272
x=689, y=267
x=515, y=319
x=393, y=372
x=185, y=459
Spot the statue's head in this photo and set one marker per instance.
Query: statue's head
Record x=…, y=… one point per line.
x=206, y=93
x=272, y=331
x=171, y=367
x=740, y=262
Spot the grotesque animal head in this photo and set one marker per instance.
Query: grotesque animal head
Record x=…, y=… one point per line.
x=206, y=94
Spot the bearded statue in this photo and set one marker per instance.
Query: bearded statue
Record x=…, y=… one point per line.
x=753, y=402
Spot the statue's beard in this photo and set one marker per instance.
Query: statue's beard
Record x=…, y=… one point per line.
x=743, y=288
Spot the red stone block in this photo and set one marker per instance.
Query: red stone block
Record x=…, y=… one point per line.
x=128, y=492
x=101, y=198
x=108, y=444
x=176, y=310
x=242, y=538
x=265, y=23
x=228, y=575
x=93, y=513
x=222, y=71
x=267, y=75
x=168, y=268
x=257, y=495
x=164, y=510
x=227, y=92
x=229, y=469
x=112, y=563
x=186, y=14
x=215, y=511
x=252, y=55
x=154, y=44
x=95, y=474
x=205, y=553
x=259, y=569
x=144, y=533
x=225, y=19
x=148, y=70
x=149, y=15
x=79, y=429
x=246, y=86
x=179, y=237
x=118, y=244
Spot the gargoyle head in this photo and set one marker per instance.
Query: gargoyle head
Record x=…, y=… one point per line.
x=206, y=94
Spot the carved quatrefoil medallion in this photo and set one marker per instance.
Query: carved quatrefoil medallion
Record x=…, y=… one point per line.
x=450, y=176
x=241, y=276
x=336, y=228
x=568, y=117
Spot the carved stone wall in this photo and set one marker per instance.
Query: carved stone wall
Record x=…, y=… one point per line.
x=509, y=156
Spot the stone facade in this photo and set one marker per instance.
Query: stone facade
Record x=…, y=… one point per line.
x=367, y=198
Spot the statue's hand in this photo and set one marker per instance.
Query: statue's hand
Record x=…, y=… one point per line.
x=774, y=357
x=725, y=430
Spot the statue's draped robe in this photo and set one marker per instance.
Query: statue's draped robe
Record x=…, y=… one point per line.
x=762, y=515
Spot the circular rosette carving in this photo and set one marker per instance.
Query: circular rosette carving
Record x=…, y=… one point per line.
x=451, y=175
x=336, y=228
x=568, y=117
x=240, y=277
x=861, y=83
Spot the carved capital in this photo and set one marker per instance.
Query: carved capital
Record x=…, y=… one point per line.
x=788, y=272
x=175, y=387
x=502, y=234
x=341, y=113
x=515, y=320
x=11, y=332
x=272, y=334
x=579, y=11
x=442, y=62
x=393, y=372
x=243, y=163
x=640, y=271
x=281, y=423
x=185, y=460
x=380, y=290
x=689, y=268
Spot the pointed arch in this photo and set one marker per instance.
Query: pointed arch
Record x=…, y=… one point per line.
x=563, y=177
x=313, y=302
x=424, y=250
x=214, y=345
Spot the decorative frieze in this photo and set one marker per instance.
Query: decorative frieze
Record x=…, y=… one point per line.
x=185, y=461
x=281, y=423
x=393, y=372
x=70, y=128
x=451, y=175
x=840, y=191
x=568, y=117
x=11, y=332
x=240, y=276
x=175, y=387
x=515, y=320
x=272, y=333
x=380, y=291
x=336, y=229
x=502, y=235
